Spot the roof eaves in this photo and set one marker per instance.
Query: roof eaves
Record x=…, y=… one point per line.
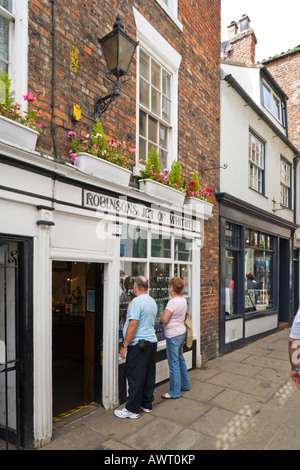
x=282, y=54
x=230, y=79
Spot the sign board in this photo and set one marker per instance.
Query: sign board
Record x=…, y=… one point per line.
x=121, y=208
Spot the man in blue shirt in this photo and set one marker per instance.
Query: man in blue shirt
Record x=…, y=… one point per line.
x=139, y=348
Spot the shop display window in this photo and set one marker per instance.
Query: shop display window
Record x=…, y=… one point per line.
x=248, y=279
x=232, y=256
x=129, y=270
x=133, y=242
x=169, y=256
x=160, y=246
x=258, y=272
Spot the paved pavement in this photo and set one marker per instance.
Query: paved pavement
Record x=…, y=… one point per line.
x=244, y=400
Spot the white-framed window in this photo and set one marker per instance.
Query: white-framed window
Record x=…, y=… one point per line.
x=157, y=94
x=155, y=108
x=256, y=163
x=285, y=183
x=6, y=29
x=272, y=102
x=171, y=8
x=158, y=257
x=14, y=44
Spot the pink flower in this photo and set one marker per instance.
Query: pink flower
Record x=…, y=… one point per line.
x=72, y=134
x=29, y=97
x=73, y=157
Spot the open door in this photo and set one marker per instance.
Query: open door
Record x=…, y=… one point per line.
x=77, y=292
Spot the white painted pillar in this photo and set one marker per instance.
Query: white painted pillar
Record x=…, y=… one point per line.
x=42, y=331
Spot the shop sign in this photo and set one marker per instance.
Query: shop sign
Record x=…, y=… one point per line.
x=158, y=215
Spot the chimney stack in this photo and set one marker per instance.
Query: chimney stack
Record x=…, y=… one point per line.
x=242, y=41
x=244, y=23
x=232, y=29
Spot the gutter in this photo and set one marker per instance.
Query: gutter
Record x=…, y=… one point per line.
x=232, y=81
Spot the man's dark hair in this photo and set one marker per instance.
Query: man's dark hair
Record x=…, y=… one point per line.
x=141, y=282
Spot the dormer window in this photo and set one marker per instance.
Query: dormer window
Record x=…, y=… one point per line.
x=272, y=102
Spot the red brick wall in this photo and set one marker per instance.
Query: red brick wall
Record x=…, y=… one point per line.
x=79, y=24
x=286, y=71
x=243, y=47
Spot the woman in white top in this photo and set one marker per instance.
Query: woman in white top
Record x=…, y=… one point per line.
x=175, y=332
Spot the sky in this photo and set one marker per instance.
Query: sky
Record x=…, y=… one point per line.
x=274, y=22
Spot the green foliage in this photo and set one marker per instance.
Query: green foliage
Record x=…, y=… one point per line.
x=6, y=95
x=175, y=175
x=196, y=180
x=11, y=110
x=153, y=161
x=96, y=144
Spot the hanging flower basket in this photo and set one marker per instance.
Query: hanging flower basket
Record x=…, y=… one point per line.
x=100, y=168
x=17, y=134
x=163, y=191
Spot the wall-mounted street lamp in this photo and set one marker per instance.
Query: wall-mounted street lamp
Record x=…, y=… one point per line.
x=118, y=49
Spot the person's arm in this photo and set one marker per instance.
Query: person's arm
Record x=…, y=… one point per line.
x=165, y=317
x=130, y=332
x=294, y=355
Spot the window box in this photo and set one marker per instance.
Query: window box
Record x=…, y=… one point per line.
x=103, y=169
x=17, y=134
x=161, y=190
x=200, y=206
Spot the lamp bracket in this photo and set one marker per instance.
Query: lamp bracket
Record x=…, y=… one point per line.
x=222, y=167
x=207, y=160
x=101, y=104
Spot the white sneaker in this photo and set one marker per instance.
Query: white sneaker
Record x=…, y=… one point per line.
x=126, y=414
x=146, y=410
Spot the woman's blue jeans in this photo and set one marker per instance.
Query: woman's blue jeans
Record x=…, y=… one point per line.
x=179, y=379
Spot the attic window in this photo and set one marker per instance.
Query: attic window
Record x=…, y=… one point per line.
x=272, y=102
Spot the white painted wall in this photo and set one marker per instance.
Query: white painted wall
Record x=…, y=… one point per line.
x=248, y=77
x=236, y=120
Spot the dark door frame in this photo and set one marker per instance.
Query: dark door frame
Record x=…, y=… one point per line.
x=22, y=437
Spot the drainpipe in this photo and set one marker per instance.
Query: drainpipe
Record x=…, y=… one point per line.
x=53, y=78
x=295, y=161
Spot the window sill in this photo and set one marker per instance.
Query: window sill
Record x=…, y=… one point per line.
x=256, y=191
x=280, y=122
x=282, y=207
x=261, y=313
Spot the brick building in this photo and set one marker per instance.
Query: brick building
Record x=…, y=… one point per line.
x=65, y=231
x=285, y=68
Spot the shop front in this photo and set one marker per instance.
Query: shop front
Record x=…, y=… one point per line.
x=86, y=240
x=256, y=294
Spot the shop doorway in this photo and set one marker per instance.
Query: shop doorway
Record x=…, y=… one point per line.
x=284, y=282
x=16, y=343
x=77, y=320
